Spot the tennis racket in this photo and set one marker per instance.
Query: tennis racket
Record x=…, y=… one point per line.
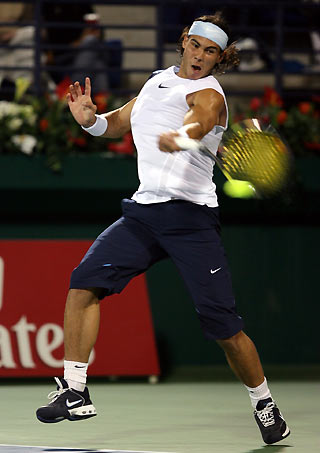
x=250, y=153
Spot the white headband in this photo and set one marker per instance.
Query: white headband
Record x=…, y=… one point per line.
x=209, y=31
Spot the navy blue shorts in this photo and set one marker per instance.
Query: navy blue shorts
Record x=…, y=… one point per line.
x=187, y=233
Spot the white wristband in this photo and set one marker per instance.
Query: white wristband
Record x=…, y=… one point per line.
x=183, y=131
x=185, y=142
x=99, y=127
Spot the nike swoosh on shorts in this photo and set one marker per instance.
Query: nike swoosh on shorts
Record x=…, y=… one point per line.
x=216, y=270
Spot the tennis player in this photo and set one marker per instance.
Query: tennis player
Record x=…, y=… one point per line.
x=174, y=213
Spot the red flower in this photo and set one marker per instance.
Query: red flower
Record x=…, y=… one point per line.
x=63, y=87
x=123, y=147
x=315, y=98
x=101, y=101
x=313, y=146
x=80, y=141
x=305, y=107
x=44, y=124
x=255, y=104
x=271, y=97
x=238, y=117
x=282, y=116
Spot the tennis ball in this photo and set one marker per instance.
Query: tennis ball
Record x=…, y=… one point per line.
x=239, y=189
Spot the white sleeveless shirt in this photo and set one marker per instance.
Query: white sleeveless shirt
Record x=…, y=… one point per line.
x=184, y=175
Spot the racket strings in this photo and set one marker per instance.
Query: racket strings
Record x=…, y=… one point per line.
x=258, y=157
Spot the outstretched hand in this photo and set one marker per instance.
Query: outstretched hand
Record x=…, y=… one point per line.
x=81, y=105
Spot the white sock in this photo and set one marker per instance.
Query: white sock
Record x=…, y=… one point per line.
x=259, y=393
x=75, y=373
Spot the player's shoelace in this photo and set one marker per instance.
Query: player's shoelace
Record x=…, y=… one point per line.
x=266, y=415
x=56, y=393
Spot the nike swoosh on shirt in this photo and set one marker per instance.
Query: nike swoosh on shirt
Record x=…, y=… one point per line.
x=73, y=403
x=161, y=86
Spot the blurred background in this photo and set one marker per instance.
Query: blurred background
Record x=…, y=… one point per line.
x=60, y=187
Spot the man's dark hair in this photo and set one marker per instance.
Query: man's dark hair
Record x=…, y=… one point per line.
x=230, y=54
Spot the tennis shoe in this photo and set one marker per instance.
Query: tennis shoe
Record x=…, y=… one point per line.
x=66, y=404
x=270, y=421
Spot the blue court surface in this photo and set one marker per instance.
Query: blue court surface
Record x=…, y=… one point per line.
x=170, y=417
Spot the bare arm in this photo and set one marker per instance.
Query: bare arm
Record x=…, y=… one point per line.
x=83, y=111
x=119, y=120
x=205, y=109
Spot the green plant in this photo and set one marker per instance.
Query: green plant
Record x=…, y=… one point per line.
x=45, y=125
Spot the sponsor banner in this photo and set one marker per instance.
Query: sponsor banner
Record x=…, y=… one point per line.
x=34, y=280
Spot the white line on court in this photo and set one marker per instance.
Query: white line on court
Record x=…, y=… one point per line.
x=39, y=448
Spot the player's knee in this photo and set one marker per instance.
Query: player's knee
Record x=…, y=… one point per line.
x=231, y=344
x=82, y=298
